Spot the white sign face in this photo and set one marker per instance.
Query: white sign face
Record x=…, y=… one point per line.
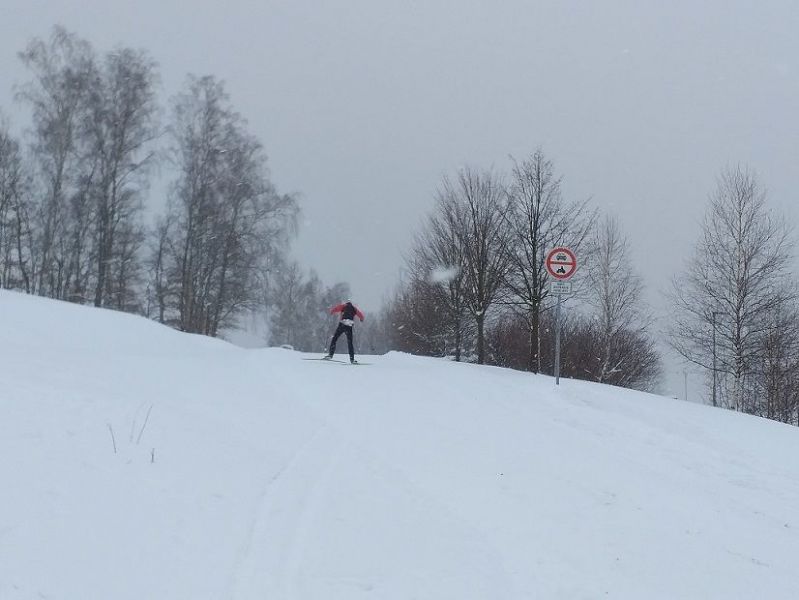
x=561, y=263
x=560, y=288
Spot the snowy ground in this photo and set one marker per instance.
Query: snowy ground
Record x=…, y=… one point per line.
x=278, y=478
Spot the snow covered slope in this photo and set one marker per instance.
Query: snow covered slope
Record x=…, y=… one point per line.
x=278, y=478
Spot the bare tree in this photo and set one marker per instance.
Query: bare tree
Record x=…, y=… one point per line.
x=637, y=361
x=436, y=276
x=15, y=234
x=739, y=277
x=227, y=219
x=418, y=322
x=290, y=293
x=540, y=219
x=63, y=71
x=775, y=379
x=456, y=268
x=161, y=292
x=475, y=208
x=93, y=124
x=622, y=350
x=120, y=129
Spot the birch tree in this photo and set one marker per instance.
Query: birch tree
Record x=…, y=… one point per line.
x=121, y=130
x=621, y=348
x=227, y=218
x=63, y=69
x=15, y=232
x=738, y=277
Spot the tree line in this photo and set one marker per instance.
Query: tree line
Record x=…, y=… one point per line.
x=476, y=285
x=476, y=288
x=72, y=194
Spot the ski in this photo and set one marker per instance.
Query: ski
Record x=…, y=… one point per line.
x=340, y=362
x=335, y=360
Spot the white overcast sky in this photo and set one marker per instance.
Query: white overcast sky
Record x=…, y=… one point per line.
x=363, y=105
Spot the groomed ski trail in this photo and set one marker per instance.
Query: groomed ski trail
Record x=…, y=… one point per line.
x=269, y=558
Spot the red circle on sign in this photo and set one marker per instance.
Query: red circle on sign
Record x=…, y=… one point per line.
x=561, y=263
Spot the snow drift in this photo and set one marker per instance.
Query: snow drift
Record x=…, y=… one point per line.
x=141, y=463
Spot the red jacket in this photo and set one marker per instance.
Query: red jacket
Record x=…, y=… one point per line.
x=340, y=308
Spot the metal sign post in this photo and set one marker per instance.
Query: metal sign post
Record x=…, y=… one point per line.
x=561, y=263
x=557, y=342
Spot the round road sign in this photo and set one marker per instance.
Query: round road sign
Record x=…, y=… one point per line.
x=561, y=263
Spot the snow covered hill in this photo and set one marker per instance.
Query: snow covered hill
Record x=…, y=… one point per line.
x=252, y=474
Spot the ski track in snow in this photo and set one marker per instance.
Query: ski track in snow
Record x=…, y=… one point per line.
x=325, y=463
x=270, y=558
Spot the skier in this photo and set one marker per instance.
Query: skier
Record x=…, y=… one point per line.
x=348, y=313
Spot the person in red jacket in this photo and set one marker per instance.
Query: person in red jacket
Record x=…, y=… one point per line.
x=348, y=313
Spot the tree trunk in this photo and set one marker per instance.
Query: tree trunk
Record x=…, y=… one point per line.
x=480, y=339
x=534, y=355
x=458, y=341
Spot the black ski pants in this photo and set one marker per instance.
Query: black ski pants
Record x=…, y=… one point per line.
x=346, y=329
